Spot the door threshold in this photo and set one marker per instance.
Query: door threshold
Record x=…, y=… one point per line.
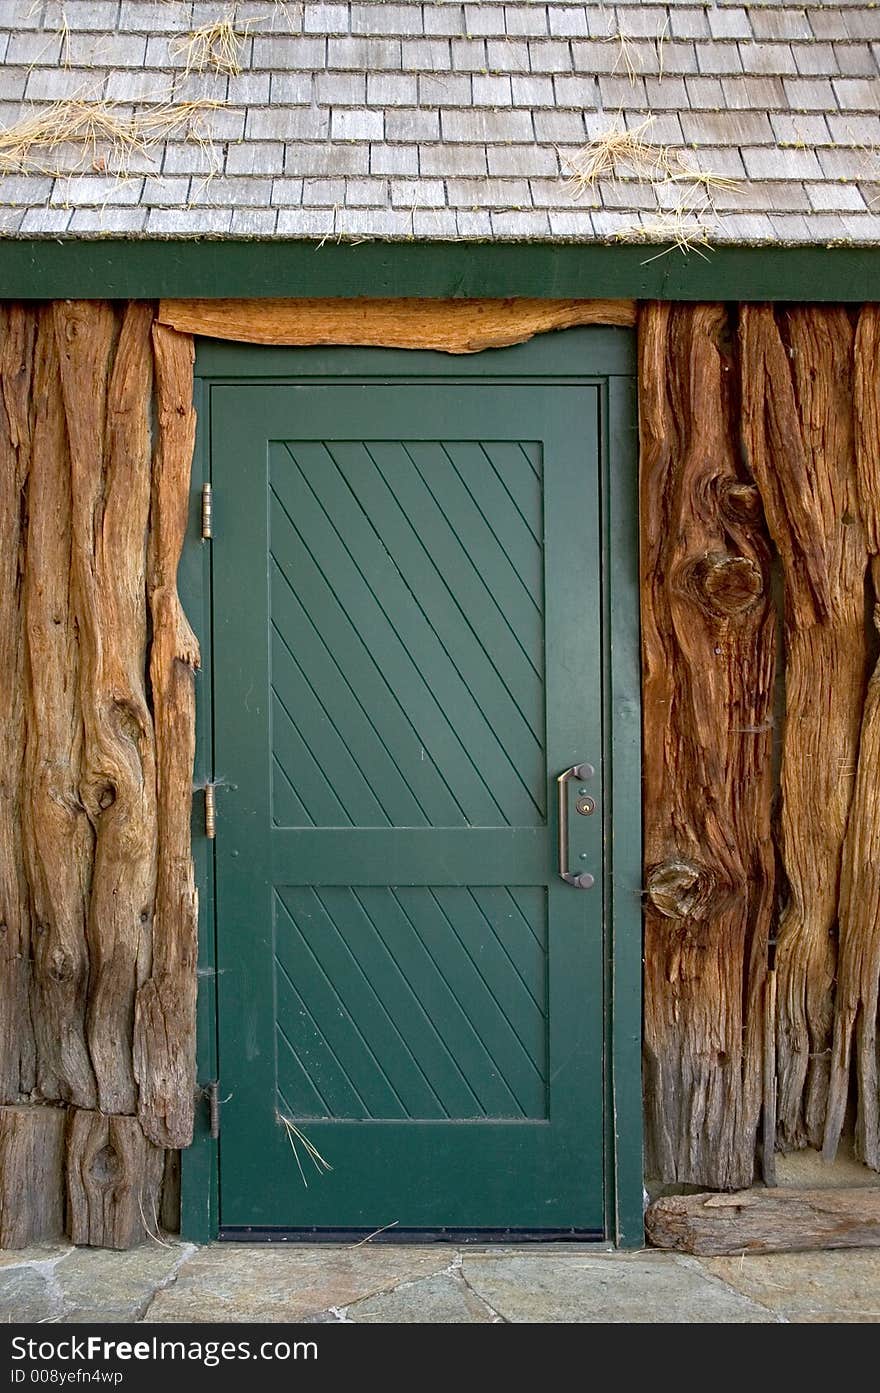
x=246, y=1234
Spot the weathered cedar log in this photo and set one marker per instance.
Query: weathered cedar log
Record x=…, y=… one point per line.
x=708, y=666
x=164, y=1042
x=114, y=1175
x=765, y=1221
x=452, y=326
x=17, y=330
x=31, y=1175
x=858, y=972
x=798, y=431
x=106, y=399
x=57, y=834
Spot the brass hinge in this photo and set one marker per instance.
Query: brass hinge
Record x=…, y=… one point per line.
x=210, y=812
x=207, y=512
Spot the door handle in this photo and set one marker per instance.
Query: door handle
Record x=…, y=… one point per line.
x=577, y=771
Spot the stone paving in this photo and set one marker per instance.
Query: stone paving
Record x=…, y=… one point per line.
x=383, y=1283
x=387, y=1283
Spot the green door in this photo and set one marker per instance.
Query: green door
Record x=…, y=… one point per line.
x=406, y=657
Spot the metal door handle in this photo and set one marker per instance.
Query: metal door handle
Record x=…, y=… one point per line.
x=577, y=771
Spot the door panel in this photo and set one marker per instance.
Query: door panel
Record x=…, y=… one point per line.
x=406, y=655
x=436, y=997
x=338, y=529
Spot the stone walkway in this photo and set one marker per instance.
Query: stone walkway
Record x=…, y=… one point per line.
x=383, y=1283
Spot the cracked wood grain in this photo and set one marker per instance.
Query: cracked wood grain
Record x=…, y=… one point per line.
x=17, y=333
x=708, y=647
x=165, y=1026
x=58, y=837
x=106, y=373
x=798, y=431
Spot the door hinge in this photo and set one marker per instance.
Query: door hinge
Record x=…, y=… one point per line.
x=210, y=812
x=212, y=1093
x=207, y=512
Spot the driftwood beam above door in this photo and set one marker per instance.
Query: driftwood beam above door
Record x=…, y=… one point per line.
x=452, y=326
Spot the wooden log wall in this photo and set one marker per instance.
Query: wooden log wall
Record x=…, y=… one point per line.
x=793, y=440
x=97, y=901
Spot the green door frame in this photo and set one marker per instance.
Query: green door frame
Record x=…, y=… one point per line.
x=622, y=753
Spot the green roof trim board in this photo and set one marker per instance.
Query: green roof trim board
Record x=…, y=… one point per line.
x=46, y=268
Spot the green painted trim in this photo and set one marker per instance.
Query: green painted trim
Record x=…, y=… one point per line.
x=623, y=954
x=51, y=268
x=613, y=351
x=623, y=840
x=199, y=1216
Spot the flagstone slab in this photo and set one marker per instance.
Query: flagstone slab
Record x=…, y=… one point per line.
x=643, y=1288
x=27, y=1297
x=440, y=1300
x=808, y=1287
x=100, y=1285
x=244, y=1282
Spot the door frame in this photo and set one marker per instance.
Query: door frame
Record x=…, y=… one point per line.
x=219, y=361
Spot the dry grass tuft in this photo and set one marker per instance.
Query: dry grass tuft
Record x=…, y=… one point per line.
x=627, y=57
x=705, y=179
x=662, y=36
x=625, y=154
x=64, y=31
x=294, y=1136
x=375, y=1234
x=619, y=151
x=108, y=134
x=284, y=7
x=153, y=1233
x=215, y=46
x=685, y=228
x=630, y=57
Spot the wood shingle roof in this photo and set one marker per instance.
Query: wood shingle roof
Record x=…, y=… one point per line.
x=726, y=122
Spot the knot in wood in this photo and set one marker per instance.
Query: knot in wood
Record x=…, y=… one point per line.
x=106, y=1166
x=128, y=720
x=61, y=969
x=728, y=585
x=680, y=889
x=742, y=502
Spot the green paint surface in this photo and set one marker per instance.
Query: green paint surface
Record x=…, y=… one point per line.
x=47, y=268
